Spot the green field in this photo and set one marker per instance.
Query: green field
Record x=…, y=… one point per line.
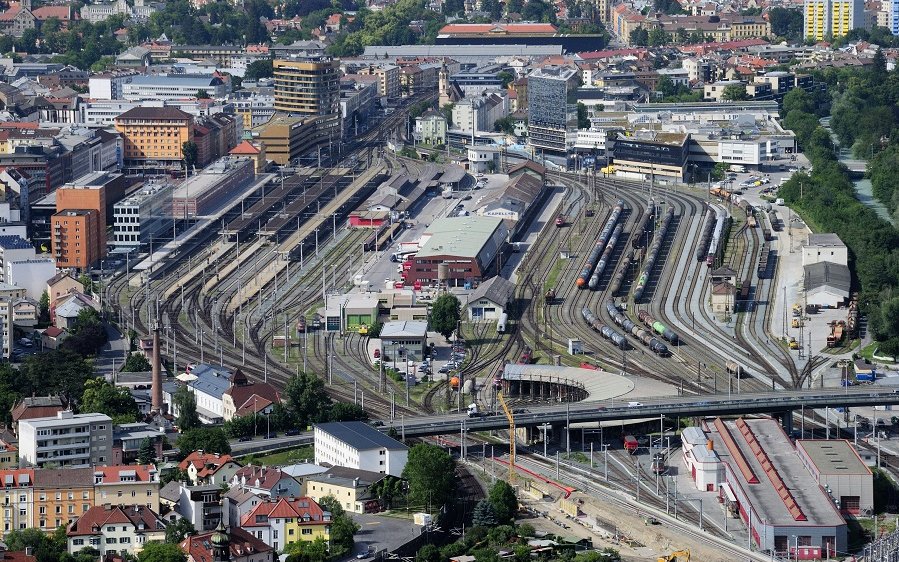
x=283, y=458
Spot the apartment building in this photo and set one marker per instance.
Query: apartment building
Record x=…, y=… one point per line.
x=66, y=440
x=834, y=18
x=61, y=495
x=115, y=529
x=307, y=84
x=358, y=445
x=287, y=520
x=18, y=498
x=154, y=136
x=130, y=485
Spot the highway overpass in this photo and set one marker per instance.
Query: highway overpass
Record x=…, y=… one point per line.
x=778, y=402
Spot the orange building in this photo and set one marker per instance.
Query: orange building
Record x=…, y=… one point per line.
x=75, y=235
x=154, y=136
x=61, y=496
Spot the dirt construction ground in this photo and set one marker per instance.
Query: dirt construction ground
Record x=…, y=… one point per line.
x=610, y=526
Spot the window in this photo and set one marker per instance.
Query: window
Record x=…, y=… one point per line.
x=124, y=540
x=110, y=540
x=307, y=531
x=275, y=534
x=77, y=542
x=290, y=532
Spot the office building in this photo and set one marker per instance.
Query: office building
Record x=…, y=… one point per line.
x=359, y=445
x=651, y=154
x=550, y=113
x=307, y=85
x=173, y=86
x=66, y=440
x=143, y=215
x=76, y=242
x=154, y=137
x=287, y=138
x=832, y=18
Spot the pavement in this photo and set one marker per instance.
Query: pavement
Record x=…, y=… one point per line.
x=381, y=532
x=113, y=355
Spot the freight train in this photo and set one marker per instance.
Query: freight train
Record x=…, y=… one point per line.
x=600, y=246
x=641, y=233
x=653, y=255
x=604, y=260
x=657, y=327
x=644, y=336
x=707, y=227
x=615, y=286
x=606, y=331
x=763, y=260
x=719, y=237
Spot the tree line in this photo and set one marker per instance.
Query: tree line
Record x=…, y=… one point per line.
x=825, y=197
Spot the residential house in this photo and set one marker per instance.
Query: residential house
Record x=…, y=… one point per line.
x=62, y=284
x=351, y=487
x=209, y=468
x=238, y=502
x=245, y=398
x=68, y=307
x=52, y=337
x=266, y=481
x=115, y=529
x=131, y=485
x=9, y=453
x=201, y=505
x=32, y=407
x=281, y=522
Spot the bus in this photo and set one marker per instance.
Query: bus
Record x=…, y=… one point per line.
x=403, y=255
x=501, y=323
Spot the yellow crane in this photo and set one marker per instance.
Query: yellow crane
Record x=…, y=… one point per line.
x=675, y=556
x=511, y=418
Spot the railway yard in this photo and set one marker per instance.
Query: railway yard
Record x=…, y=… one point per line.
x=625, y=272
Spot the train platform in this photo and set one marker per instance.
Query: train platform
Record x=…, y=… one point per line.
x=254, y=284
x=166, y=250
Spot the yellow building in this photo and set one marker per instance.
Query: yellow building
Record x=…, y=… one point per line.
x=9, y=455
x=307, y=85
x=351, y=487
x=832, y=18
x=154, y=136
x=18, y=499
x=285, y=521
x=61, y=496
x=287, y=137
x=128, y=485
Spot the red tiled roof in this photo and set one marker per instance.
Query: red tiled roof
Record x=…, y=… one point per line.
x=13, y=476
x=260, y=476
x=205, y=463
x=17, y=556
x=101, y=515
x=53, y=331
x=241, y=543
x=18, y=125
x=62, y=13
x=113, y=474
x=245, y=148
x=11, y=13
x=304, y=509
x=254, y=404
x=593, y=55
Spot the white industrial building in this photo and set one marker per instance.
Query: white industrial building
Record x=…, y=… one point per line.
x=824, y=247
x=841, y=472
x=173, y=86
x=102, y=112
x=827, y=284
x=359, y=445
x=143, y=215
x=701, y=460
x=66, y=440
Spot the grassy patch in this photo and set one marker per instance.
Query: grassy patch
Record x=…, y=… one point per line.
x=552, y=278
x=282, y=458
x=868, y=351
x=577, y=457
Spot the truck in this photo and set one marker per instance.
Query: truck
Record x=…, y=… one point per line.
x=447, y=193
x=737, y=168
x=473, y=411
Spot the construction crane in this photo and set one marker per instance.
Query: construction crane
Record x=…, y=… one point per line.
x=511, y=418
x=676, y=556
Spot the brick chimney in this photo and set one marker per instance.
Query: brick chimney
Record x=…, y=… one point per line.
x=156, y=392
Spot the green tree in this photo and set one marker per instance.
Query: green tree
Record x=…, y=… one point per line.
x=161, y=552
x=47, y=548
x=186, y=404
x=445, y=314
x=342, y=530
x=189, y=152
x=202, y=94
x=86, y=554
x=259, y=69
x=103, y=397
x=734, y=92
x=178, y=530
x=307, y=551
x=484, y=515
x=136, y=363
x=241, y=426
x=211, y=440
x=505, y=502
x=428, y=553
x=12, y=388
x=44, y=309
x=88, y=335
x=583, y=118
x=430, y=474
x=176, y=475
x=59, y=371
x=786, y=23
x=506, y=77
x=486, y=555
x=665, y=86
x=344, y=411
x=639, y=37
x=719, y=170
x=657, y=37
x=879, y=66
x=306, y=399
x=493, y=8
x=147, y=452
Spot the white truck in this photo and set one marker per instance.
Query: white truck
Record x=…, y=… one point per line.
x=738, y=168
x=473, y=411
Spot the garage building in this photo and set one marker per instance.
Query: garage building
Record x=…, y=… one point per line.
x=836, y=466
x=827, y=284
x=459, y=251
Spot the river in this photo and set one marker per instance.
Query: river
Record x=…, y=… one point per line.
x=864, y=193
